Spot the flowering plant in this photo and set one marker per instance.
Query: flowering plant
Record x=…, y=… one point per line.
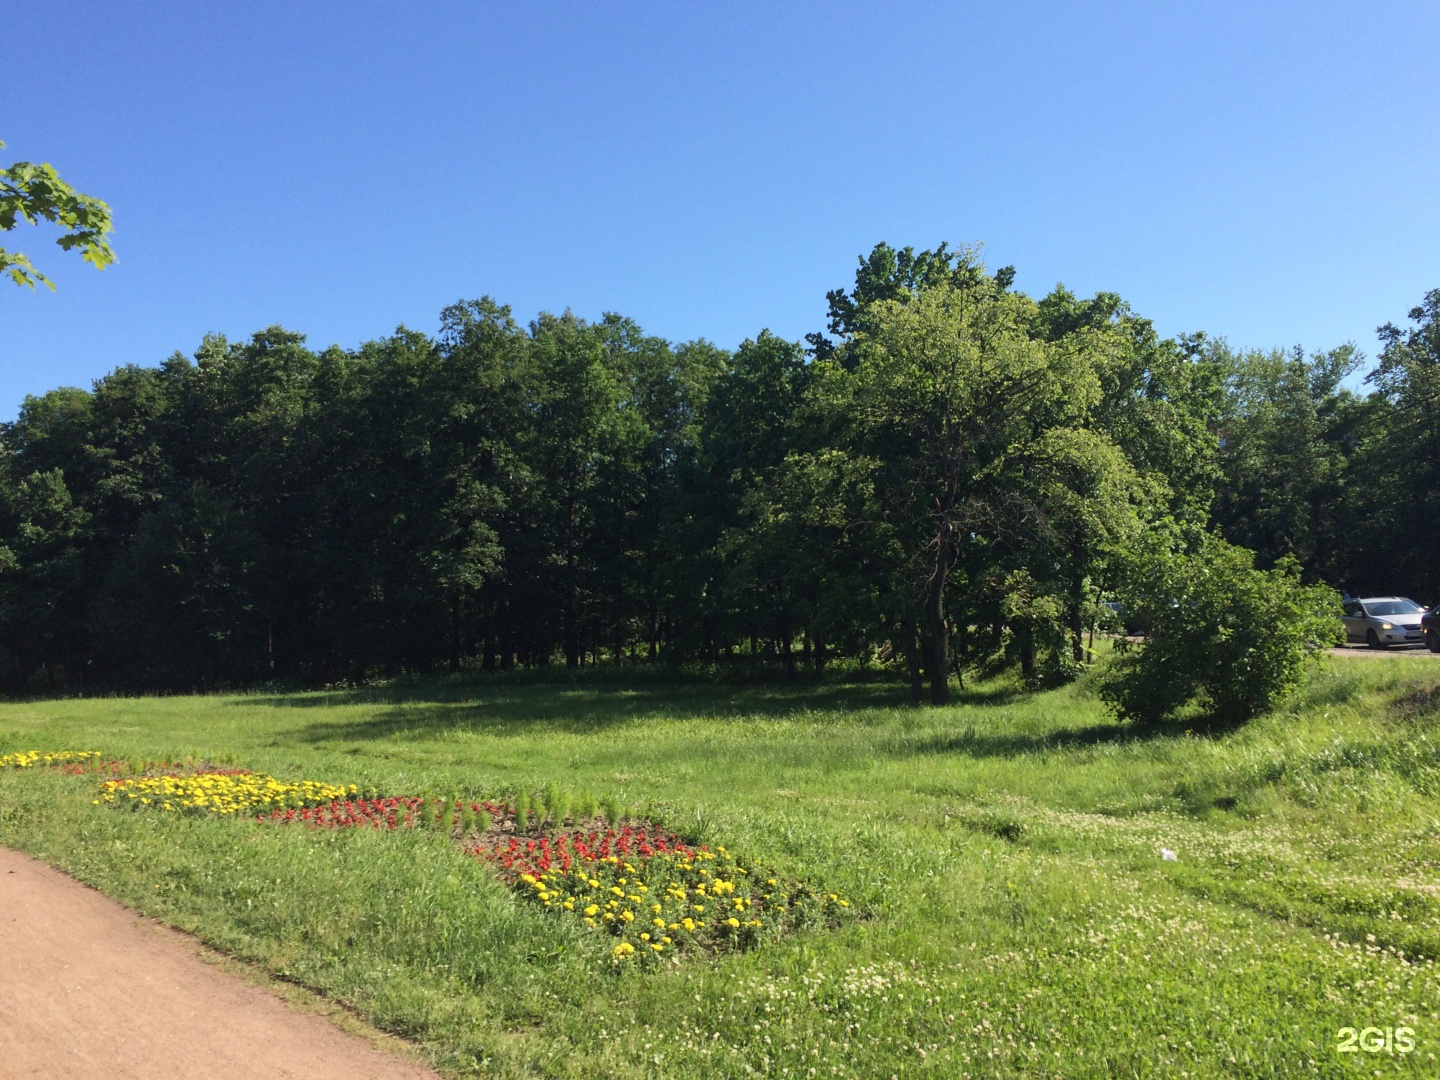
x=223, y=792
x=653, y=892
x=26, y=759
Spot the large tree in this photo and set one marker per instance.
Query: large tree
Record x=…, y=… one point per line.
x=954, y=398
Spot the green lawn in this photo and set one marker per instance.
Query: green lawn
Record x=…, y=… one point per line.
x=1004, y=854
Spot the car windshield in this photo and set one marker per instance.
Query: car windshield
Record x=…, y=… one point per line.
x=1393, y=607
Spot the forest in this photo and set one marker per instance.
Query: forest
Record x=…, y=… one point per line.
x=950, y=477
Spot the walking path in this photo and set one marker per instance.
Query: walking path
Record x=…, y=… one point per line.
x=90, y=989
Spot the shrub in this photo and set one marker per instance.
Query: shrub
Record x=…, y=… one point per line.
x=1218, y=630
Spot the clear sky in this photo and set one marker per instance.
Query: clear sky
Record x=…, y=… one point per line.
x=1267, y=172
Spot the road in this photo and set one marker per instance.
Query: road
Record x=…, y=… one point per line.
x=1380, y=654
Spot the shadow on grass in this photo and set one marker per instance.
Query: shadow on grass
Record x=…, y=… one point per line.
x=983, y=744
x=524, y=709
x=520, y=708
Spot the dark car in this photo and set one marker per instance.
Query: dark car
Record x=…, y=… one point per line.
x=1430, y=623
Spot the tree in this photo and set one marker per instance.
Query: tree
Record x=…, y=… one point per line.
x=1403, y=451
x=33, y=193
x=950, y=394
x=888, y=274
x=42, y=607
x=1288, y=425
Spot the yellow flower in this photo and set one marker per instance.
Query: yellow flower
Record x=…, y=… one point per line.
x=591, y=910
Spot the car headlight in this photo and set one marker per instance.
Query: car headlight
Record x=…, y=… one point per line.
x=1386, y=626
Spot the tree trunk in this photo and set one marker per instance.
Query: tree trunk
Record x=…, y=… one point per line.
x=1076, y=615
x=455, y=632
x=912, y=654
x=937, y=634
x=1076, y=619
x=962, y=647
x=572, y=628
x=1025, y=640
x=507, y=640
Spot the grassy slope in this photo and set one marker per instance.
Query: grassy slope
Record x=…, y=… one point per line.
x=1020, y=920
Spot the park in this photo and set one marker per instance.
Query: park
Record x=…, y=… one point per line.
x=1013, y=911
x=577, y=543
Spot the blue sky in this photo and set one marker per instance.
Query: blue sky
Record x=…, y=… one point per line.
x=1264, y=172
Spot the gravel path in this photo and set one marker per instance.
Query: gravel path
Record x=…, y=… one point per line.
x=90, y=989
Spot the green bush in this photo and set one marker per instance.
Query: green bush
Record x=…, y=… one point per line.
x=1219, y=631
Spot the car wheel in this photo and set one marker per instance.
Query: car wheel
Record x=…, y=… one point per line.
x=1373, y=640
x=1432, y=640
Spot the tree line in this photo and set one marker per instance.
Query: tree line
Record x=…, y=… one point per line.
x=950, y=477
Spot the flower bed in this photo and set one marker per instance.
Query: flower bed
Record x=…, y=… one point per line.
x=231, y=791
x=653, y=892
x=27, y=759
x=656, y=894
x=342, y=813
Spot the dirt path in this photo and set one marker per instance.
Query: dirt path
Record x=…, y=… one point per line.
x=90, y=989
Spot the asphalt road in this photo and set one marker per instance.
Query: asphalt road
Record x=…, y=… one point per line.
x=1394, y=650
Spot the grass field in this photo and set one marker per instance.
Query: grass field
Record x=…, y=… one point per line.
x=1016, y=917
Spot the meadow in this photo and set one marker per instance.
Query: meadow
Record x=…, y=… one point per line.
x=1013, y=914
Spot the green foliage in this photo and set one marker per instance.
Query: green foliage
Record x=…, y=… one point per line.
x=32, y=193
x=952, y=481
x=974, y=423
x=523, y=810
x=1345, y=483
x=1219, y=630
x=610, y=807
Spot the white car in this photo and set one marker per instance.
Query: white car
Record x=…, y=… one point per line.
x=1381, y=621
